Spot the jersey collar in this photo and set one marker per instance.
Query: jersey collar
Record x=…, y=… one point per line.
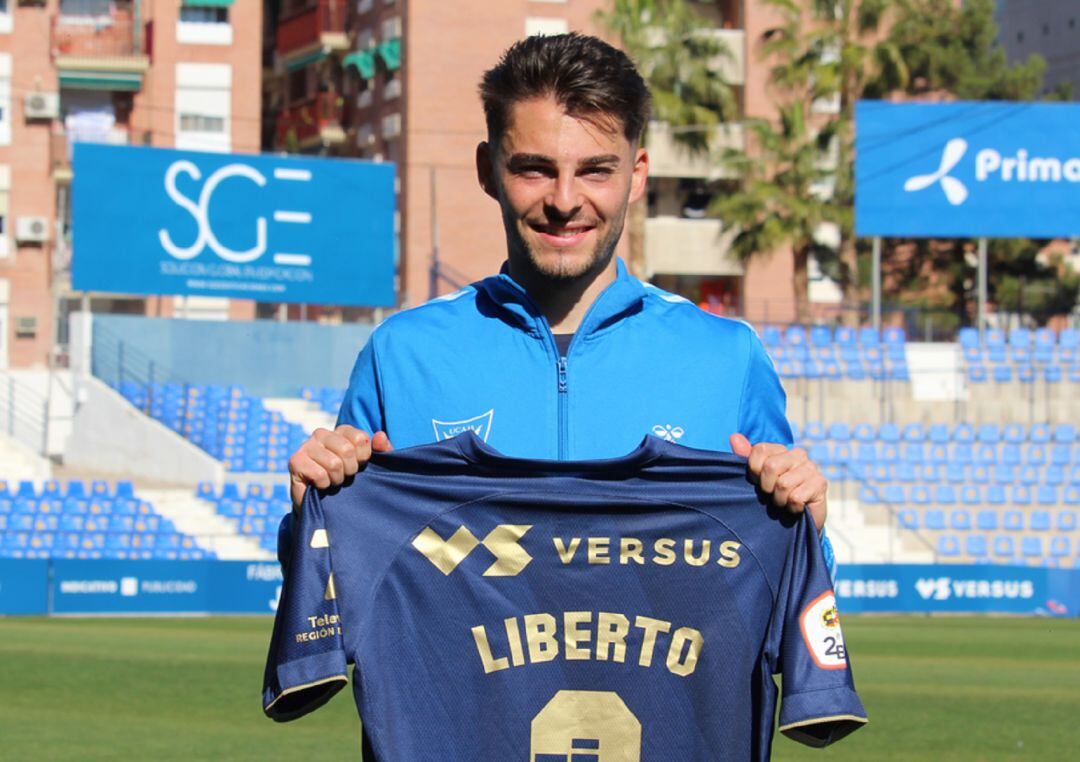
x=619, y=300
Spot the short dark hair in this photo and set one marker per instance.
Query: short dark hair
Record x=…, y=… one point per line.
x=585, y=75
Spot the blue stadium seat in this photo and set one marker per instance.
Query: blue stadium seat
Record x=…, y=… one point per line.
x=945, y=495
x=75, y=489
x=1060, y=547
x=894, y=494
x=1064, y=433
x=821, y=336
x=989, y=433
x=125, y=489
x=995, y=337
x=939, y=433
x=1020, y=494
x=1052, y=374
x=1066, y=521
x=1003, y=374
x=1004, y=474
x=813, y=432
x=996, y=355
x=1004, y=547
x=975, y=545
x=1039, y=521
x=948, y=545
x=99, y=488
x=969, y=337
x=1030, y=475
x=1025, y=374
x=1031, y=547
x=1013, y=521
x=914, y=432
x=920, y=494
x=914, y=452
x=839, y=432
x=904, y=472
x=960, y=519
x=1054, y=476
x=230, y=491
x=964, y=433
x=1039, y=433
x=1046, y=495
x=934, y=519
x=908, y=518
x=864, y=432
x=889, y=432
x=986, y=454
x=987, y=521
x=868, y=494
x=979, y=474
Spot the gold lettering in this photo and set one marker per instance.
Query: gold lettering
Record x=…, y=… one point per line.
x=630, y=550
x=688, y=551
x=598, y=550
x=573, y=636
x=678, y=665
x=611, y=630
x=566, y=552
x=540, y=635
x=729, y=554
x=665, y=552
x=484, y=648
x=648, y=640
x=513, y=637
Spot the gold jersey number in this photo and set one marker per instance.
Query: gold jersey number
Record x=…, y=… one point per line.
x=585, y=726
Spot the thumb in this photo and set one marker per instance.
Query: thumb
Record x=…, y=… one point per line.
x=740, y=445
x=381, y=442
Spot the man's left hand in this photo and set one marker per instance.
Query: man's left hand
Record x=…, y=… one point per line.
x=789, y=476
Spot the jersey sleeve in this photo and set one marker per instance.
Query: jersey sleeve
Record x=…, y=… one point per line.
x=307, y=663
x=362, y=406
x=763, y=405
x=818, y=704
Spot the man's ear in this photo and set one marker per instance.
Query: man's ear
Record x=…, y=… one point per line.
x=485, y=169
x=640, y=177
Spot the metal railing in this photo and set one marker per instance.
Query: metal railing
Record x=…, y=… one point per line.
x=114, y=35
x=305, y=25
x=24, y=414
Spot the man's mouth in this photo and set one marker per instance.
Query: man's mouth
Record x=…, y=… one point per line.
x=562, y=235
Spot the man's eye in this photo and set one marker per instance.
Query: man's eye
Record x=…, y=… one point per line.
x=598, y=171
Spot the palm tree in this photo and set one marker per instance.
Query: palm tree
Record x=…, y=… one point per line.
x=783, y=198
x=681, y=60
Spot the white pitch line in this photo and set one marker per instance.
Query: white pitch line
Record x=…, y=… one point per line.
x=284, y=216
x=302, y=175
x=300, y=260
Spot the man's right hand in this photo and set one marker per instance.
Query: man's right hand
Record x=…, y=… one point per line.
x=327, y=458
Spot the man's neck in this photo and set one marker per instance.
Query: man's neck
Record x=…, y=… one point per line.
x=564, y=303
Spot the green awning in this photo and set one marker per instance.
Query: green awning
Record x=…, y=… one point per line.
x=101, y=80
x=390, y=53
x=363, y=60
x=207, y=3
x=308, y=58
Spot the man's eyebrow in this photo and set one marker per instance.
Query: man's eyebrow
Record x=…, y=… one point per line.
x=594, y=161
x=518, y=159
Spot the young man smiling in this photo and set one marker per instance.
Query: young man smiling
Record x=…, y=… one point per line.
x=564, y=355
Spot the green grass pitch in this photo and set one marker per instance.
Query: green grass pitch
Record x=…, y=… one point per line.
x=183, y=689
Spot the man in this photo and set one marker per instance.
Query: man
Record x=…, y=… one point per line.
x=564, y=355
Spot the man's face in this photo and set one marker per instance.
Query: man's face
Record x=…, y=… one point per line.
x=564, y=185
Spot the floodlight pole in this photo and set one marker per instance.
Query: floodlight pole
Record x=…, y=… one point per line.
x=876, y=278
x=980, y=318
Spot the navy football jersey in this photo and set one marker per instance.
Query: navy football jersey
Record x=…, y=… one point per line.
x=505, y=609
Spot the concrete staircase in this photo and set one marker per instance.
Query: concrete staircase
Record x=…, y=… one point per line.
x=307, y=414
x=868, y=535
x=198, y=518
x=18, y=463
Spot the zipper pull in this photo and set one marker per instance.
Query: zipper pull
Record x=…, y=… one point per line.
x=562, y=374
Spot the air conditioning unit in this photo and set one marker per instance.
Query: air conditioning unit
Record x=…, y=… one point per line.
x=26, y=326
x=32, y=229
x=391, y=28
x=42, y=105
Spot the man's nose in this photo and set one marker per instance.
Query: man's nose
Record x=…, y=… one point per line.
x=564, y=196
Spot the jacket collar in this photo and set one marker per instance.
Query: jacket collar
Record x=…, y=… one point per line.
x=621, y=298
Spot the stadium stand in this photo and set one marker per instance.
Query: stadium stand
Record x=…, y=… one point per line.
x=843, y=353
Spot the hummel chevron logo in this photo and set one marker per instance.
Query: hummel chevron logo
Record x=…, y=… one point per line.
x=955, y=191
x=502, y=541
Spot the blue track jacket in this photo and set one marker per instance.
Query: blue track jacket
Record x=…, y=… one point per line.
x=643, y=361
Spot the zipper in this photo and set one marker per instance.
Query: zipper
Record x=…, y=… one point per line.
x=563, y=410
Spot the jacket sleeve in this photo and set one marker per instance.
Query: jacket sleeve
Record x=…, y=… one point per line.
x=763, y=404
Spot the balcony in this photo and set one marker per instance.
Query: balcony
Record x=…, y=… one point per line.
x=732, y=65
x=315, y=26
x=315, y=122
x=667, y=158
x=680, y=246
x=102, y=52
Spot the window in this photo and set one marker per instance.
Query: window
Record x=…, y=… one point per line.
x=5, y=16
x=202, y=123
x=536, y=25
x=5, y=99
x=87, y=9
x=204, y=15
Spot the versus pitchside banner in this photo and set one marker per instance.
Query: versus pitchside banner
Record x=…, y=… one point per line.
x=967, y=169
x=269, y=228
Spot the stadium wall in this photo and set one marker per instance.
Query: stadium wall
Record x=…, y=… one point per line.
x=62, y=586
x=267, y=358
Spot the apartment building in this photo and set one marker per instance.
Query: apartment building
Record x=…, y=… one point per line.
x=396, y=80
x=172, y=73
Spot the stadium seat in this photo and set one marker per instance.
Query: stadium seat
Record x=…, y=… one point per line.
x=1020, y=495
x=964, y=433
x=868, y=494
x=908, y=519
x=920, y=494
x=989, y=433
x=979, y=474
x=1066, y=521
x=1004, y=547
x=1046, y=495
x=124, y=489
x=945, y=495
x=894, y=494
x=1054, y=476
x=948, y=545
x=1031, y=547
x=934, y=519
x=960, y=519
x=1010, y=455
x=206, y=491
x=1039, y=521
x=1013, y=521
x=1039, y=433
x=1060, y=547
x=813, y=432
x=987, y=521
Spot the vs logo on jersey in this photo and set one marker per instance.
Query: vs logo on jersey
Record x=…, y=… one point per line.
x=479, y=425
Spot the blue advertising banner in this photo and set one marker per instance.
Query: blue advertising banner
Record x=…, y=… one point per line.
x=269, y=228
x=24, y=586
x=958, y=589
x=967, y=169
x=165, y=587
